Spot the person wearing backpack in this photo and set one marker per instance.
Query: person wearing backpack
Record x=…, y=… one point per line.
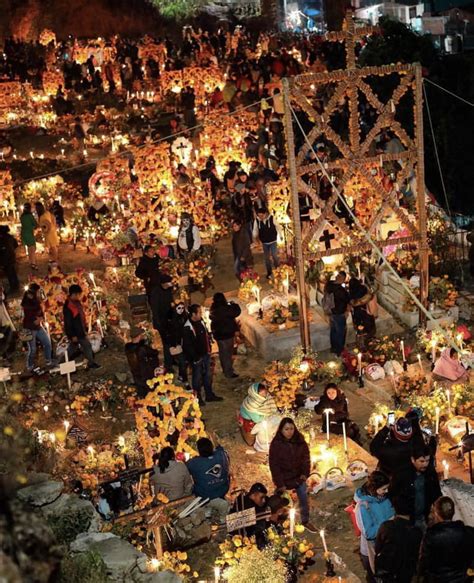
x=335, y=302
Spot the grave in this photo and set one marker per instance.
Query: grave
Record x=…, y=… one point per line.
x=281, y=343
x=392, y=296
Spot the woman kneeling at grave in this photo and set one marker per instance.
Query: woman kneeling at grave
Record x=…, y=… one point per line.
x=334, y=401
x=257, y=405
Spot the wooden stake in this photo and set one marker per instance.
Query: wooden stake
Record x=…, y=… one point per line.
x=295, y=211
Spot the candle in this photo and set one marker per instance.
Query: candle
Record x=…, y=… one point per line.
x=323, y=538
x=256, y=292
x=66, y=426
x=402, y=348
x=359, y=358
x=420, y=363
x=327, y=412
x=217, y=574
x=392, y=379
x=101, y=330
x=437, y=409
x=344, y=435
x=448, y=396
x=445, y=470
x=292, y=521
x=74, y=235
x=91, y=275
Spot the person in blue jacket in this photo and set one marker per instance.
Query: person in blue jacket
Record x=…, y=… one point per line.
x=210, y=471
x=372, y=509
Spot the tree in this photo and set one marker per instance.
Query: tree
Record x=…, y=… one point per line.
x=178, y=9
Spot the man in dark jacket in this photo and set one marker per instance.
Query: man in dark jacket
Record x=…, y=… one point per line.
x=8, y=244
x=147, y=266
x=177, y=318
x=197, y=350
x=418, y=485
x=142, y=359
x=75, y=326
x=224, y=327
x=241, y=247
x=160, y=299
x=392, y=446
x=338, y=315
x=266, y=229
x=397, y=546
x=447, y=550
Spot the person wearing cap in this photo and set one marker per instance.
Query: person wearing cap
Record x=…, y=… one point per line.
x=392, y=446
x=290, y=465
x=256, y=498
x=142, y=359
x=418, y=485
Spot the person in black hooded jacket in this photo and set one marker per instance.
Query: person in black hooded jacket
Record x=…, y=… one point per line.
x=223, y=328
x=335, y=400
x=447, y=550
x=177, y=318
x=142, y=359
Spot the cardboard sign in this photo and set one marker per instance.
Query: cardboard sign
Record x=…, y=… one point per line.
x=238, y=520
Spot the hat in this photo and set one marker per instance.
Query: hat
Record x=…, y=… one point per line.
x=258, y=487
x=402, y=429
x=277, y=502
x=136, y=331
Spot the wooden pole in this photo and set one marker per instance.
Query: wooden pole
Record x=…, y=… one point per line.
x=420, y=193
x=295, y=211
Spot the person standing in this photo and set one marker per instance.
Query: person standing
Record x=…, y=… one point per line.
x=372, y=509
x=75, y=326
x=28, y=226
x=267, y=230
x=47, y=224
x=392, y=446
x=338, y=313
x=397, y=546
x=142, y=359
x=8, y=245
x=418, y=485
x=290, y=465
x=147, y=267
x=160, y=300
x=363, y=320
x=197, y=350
x=33, y=323
x=241, y=243
x=189, y=237
x=447, y=550
x=177, y=318
x=223, y=316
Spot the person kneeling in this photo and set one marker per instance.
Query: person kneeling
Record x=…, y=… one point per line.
x=335, y=400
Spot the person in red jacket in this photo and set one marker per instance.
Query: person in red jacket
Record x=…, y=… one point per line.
x=290, y=465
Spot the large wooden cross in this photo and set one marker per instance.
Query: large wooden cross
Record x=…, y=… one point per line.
x=351, y=160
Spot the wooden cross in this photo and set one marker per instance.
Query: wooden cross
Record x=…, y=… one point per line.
x=67, y=367
x=326, y=238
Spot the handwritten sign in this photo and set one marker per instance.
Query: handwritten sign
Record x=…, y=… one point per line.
x=238, y=520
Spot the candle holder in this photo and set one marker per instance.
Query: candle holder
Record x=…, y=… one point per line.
x=361, y=381
x=405, y=365
x=330, y=572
